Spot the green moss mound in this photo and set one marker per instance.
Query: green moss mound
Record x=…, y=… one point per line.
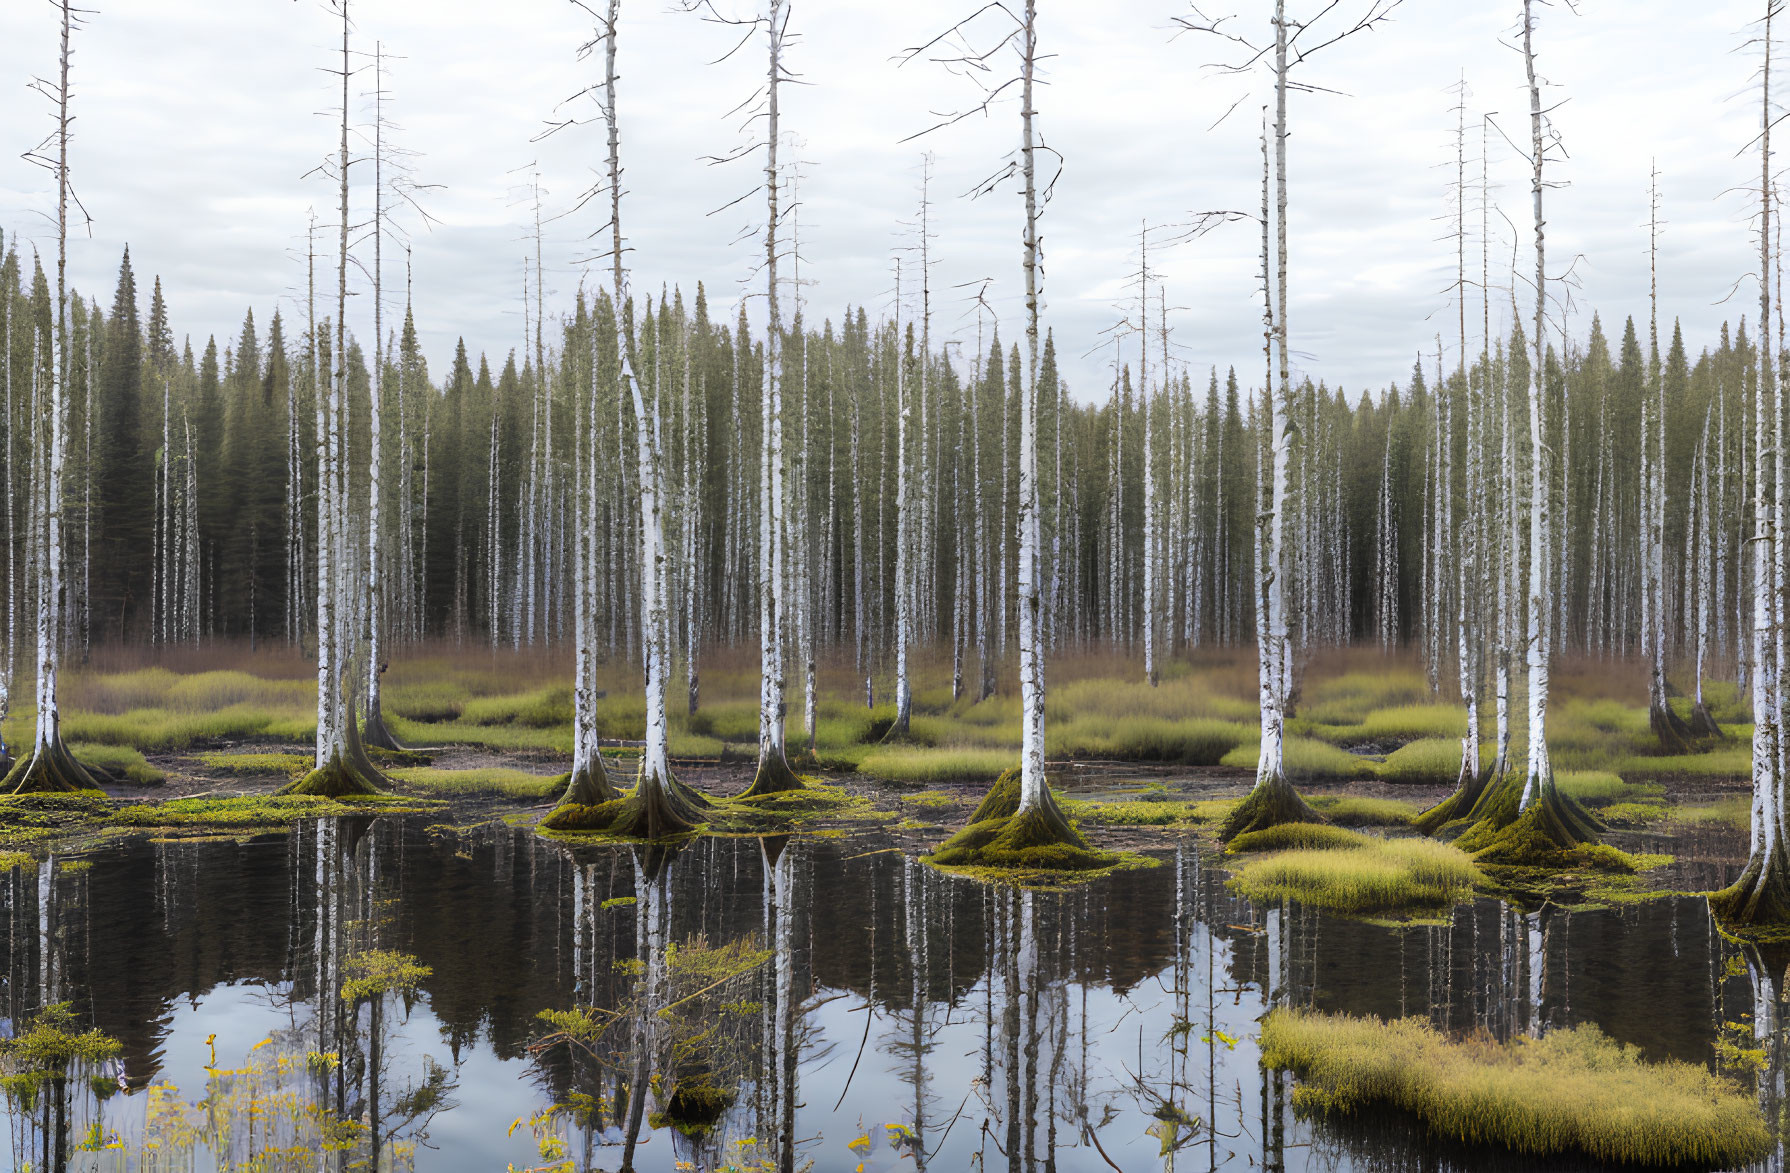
x=1002, y=799
x=335, y=779
x=1353, y=811
x=1570, y=1093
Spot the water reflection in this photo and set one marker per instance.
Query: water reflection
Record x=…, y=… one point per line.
x=369, y=993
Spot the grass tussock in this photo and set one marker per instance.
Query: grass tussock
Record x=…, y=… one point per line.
x=1353, y=811
x=1151, y=809
x=492, y=782
x=254, y=765
x=928, y=765
x=1735, y=811
x=1348, y=872
x=1429, y=761
x=1569, y=1093
x=121, y=762
x=1306, y=758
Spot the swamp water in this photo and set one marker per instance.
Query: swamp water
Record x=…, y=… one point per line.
x=767, y=1004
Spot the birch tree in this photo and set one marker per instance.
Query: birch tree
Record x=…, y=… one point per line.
x=341, y=765
x=1036, y=832
x=50, y=766
x=1555, y=820
x=659, y=805
x=773, y=775
x=1273, y=800
x=1762, y=893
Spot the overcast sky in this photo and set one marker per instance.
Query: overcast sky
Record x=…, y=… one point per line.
x=198, y=123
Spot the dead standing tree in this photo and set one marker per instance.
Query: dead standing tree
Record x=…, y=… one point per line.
x=773, y=774
x=341, y=764
x=659, y=805
x=1273, y=799
x=1019, y=823
x=1525, y=817
x=50, y=766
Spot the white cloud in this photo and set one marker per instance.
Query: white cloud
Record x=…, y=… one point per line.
x=198, y=124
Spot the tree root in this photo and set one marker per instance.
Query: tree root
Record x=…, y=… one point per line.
x=1761, y=896
x=1542, y=836
x=1272, y=802
x=375, y=734
x=1459, y=805
x=773, y=777
x=1674, y=735
x=589, y=786
x=655, y=809
x=1039, y=838
x=348, y=771
x=335, y=779
x=53, y=770
x=1704, y=726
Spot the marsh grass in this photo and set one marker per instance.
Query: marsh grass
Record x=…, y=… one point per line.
x=919, y=764
x=493, y=782
x=1355, y=874
x=1149, y=811
x=1434, y=761
x=1601, y=788
x=1734, y=811
x=1572, y=1091
x=121, y=762
x=1355, y=811
x=1306, y=758
x=249, y=765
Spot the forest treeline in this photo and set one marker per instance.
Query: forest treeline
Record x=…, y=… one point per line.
x=190, y=515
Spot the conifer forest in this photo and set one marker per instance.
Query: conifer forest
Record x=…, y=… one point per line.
x=694, y=718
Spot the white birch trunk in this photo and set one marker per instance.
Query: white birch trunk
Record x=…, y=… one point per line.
x=1539, y=777
x=1033, y=789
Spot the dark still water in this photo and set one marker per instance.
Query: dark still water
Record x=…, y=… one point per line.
x=758, y=1004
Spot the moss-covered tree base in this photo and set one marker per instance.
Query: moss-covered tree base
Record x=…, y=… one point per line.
x=1458, y=805
x=772, y=777
x=1270, y=804
x=1550, y=834
x=1759, y=899
x=589, y=785
x=1704, y=726
x=1675, y=737
x=339, y=778
x=1003, y=837
x=375, y=735
x=52, y=770
x=1542, y=836
x=655, y=809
